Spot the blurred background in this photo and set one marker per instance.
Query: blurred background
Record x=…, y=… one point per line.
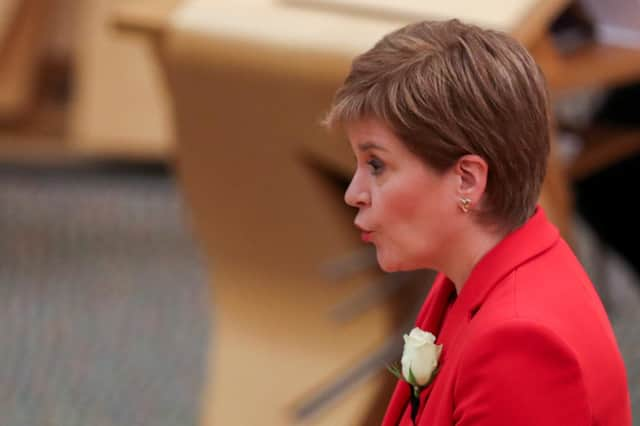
x=174, y=246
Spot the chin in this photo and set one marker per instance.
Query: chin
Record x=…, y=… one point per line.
x=394, y=264
x=390, y=265
x=387, y=268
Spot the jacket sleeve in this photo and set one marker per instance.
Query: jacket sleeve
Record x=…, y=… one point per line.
x=520, y=374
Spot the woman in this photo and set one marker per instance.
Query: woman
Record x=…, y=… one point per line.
x=449, y=126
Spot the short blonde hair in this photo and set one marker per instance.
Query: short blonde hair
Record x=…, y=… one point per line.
x=448, y=89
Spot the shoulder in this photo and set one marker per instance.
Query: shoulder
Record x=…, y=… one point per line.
x=517, y=336
x=517, y=368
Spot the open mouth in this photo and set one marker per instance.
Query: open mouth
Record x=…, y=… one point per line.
x=365, y=234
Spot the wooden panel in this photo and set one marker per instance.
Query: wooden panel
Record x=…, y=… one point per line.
x=120, y=105
x=277, y=32
x=270, y=221
x=61, y=31
x=19, y=59
x=526, y=19
x=148, y=16
x=8, y=13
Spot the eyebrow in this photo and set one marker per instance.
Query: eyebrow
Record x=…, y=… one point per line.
x=367, y=146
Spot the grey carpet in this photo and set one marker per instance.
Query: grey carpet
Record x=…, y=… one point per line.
x=103, y=300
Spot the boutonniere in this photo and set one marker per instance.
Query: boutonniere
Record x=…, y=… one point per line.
x=419, y=364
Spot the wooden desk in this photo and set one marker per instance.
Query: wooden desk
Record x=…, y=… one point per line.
x=249, y=83
x=148, y=16
x=120, y=106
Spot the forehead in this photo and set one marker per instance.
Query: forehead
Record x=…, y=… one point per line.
x=372, y=135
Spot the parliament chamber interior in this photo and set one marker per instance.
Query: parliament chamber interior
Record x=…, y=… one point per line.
x=176, y=249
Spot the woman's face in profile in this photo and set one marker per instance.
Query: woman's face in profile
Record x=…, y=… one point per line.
x=405, y=208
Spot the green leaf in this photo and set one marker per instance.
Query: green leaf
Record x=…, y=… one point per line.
x=393, y=369
x=412, y=378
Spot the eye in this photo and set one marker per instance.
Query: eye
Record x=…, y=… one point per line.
x=377, y=166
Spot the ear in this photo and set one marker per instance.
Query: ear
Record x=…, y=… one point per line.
x=472, y=172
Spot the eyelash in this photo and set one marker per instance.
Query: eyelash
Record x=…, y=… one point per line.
x=377, y=166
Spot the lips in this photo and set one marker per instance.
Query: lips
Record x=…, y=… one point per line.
x=365, y=234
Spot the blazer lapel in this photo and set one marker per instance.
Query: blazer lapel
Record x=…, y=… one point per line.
x=429, y=319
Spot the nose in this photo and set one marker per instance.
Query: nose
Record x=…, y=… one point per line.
x=356, y=194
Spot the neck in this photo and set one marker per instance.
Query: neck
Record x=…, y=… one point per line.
x=463, y=255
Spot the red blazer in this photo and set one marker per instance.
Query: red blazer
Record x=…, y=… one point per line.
x=526, y=342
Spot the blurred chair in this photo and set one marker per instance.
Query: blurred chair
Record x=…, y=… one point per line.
x=22, y=38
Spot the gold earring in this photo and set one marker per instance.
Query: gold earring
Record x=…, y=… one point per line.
x=464, y=204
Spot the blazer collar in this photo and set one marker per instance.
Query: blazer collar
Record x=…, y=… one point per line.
x=429, y=319
x=530, y=240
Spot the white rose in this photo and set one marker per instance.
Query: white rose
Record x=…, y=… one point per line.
x=421, y=355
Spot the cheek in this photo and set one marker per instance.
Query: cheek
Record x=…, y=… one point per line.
x=401, y=225
x=414, y=218
x=402, y=207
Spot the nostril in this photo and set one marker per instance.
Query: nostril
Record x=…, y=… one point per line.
x=363, y=199
x=351, y=197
